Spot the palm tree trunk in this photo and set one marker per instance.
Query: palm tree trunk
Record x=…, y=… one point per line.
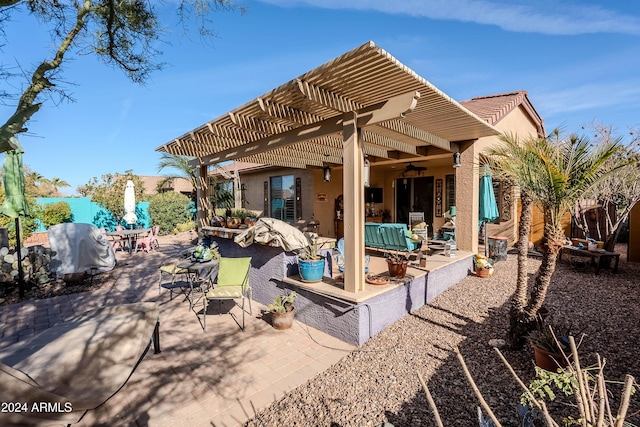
x=519, y=320
x=553, y=238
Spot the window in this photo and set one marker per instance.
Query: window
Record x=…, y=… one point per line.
x=283, y=198
x=450, y=191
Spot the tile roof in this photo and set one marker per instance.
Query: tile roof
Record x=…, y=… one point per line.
x=493, y=108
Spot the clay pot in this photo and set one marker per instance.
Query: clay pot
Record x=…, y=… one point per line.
x=547, y=360
x=482, y=272
x=397, y=269
x=282, y=320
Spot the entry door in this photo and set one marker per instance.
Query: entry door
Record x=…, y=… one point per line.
x=423, y=199
x=415, y=195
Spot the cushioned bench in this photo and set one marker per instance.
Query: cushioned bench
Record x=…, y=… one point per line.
x=389, y=237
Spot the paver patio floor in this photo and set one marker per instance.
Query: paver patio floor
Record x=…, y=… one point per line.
x=220, y=377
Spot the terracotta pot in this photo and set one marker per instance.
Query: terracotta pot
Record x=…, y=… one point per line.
x=482, y=272
x=282, y=320
x=547, y=360
x=397, y=269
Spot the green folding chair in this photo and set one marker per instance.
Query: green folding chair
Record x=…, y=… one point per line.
x=232, y=284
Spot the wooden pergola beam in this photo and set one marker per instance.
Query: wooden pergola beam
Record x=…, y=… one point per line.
x=387, y=110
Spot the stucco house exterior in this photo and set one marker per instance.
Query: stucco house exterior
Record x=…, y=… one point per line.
x=393, y=189
x=363, y=112
x=361, y=138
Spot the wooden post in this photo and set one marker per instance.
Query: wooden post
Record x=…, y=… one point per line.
x=353, y=190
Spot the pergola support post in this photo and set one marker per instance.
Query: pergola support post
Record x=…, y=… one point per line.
x=203, y=213
x=353, y=190
x=467, y=199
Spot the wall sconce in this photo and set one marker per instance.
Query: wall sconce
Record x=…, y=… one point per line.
x=326, y=174
x=456, y=160
x=367, y=172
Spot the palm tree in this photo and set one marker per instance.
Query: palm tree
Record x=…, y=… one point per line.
x=552, y=173
x=57, y=183
x=180, y=164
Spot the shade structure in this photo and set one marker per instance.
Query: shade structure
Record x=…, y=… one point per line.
x=15, y=204
x=130, y=203
x=488, y=205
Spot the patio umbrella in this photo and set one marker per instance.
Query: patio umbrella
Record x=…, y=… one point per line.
x=15, y=204
x=130, y=204
x=488, y=204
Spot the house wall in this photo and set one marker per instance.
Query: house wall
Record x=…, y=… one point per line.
x=518, y=123
x=254, y=188
x=319, y=197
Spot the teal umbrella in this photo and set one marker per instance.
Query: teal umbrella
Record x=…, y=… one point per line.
x=488, y=204
x=15, y=204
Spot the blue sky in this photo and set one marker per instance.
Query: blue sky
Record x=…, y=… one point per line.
x=578, y=60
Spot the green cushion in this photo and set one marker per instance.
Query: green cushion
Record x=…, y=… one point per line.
x=225, y=292
x=233, y=271
x=173, y=269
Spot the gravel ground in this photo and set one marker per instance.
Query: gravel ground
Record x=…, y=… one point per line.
x=379, y=381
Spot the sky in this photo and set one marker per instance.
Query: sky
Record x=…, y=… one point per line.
x=579, y=61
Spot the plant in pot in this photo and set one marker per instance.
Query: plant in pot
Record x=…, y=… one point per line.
x=397, y=263
x=282, y=311
x=482, y=265
x=310, y=262
x=549, y=343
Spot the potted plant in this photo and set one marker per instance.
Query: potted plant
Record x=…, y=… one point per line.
x=310, y=262
x=397, y=263
x=483, y=266
x=282, y=311
x=548, y=344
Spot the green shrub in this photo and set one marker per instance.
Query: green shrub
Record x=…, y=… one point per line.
x=237, y=213
x=168, y=210
x=55, y=213
x=186, y=226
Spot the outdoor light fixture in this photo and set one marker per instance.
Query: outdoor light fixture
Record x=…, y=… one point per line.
x=326, y=174
x=366, y=172
x=456, y=159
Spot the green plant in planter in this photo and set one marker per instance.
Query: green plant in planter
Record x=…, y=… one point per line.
x=282, y=303
x=397, y=257
x=311, y=252
x=543, y=337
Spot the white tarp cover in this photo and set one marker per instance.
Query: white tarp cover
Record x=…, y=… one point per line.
x=80, y=248
x=270, y=231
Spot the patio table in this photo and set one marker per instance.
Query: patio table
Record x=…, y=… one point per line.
x=597, y=257
x=198, y=273
x=130, y=234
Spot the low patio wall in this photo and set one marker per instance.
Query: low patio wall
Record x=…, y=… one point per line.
x=351, y=321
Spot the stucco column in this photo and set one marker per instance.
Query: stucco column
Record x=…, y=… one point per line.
x=353, y=191
x=467, y=198
x=202, y=201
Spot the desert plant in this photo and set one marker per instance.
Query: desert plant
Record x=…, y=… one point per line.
x=311, y=252
x=552, y=338
x=396, y=256
x=282, y=303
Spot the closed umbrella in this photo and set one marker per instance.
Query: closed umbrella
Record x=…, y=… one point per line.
x=130, y=204
x=15, y=204
x=488, y=204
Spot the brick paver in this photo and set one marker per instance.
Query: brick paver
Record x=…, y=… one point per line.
x=219, y=377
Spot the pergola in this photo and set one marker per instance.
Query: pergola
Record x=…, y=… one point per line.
x=364, y=103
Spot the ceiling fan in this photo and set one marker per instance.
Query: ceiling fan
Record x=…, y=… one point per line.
x=412, y=168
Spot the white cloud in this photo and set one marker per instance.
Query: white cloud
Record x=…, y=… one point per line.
x=545, y=17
